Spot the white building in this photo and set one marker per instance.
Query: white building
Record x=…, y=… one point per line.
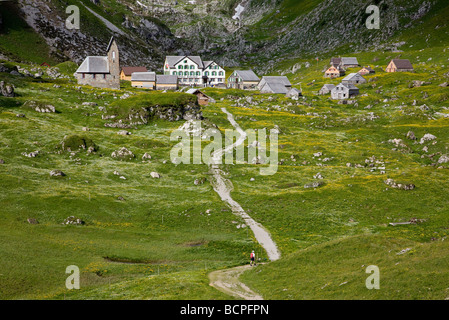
x=193, y=71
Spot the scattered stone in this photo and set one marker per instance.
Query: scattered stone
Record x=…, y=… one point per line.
x=86, y=129
x=199, y=181
x=57, y=173
x=443, y=159
x=32, y=221
x=146, y=156
x=6, y=90
x=427, y=137
x=2, y=161
x=20, y=115
x=318, y=176
x=73, y=221
x=401, y=186
x=123, y=154
x=314, y=184
x=411, y=135
x=155, y=175
x=120, y=198
x=124, y=133
x=33, y=154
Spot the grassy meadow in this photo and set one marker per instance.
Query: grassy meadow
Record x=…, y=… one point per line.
x=147, y=238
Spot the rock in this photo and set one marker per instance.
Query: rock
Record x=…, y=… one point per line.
x=86, y=129
x=318, y=154
x=199, y=181
x=32, y=221
x=73, y=221
x=444, y=159
x=411, y=135
x=252, y=179
x=318, y=176
x=427, y=137
x=395, y=185
x=57, y=173
x=6, y=90
x=20, y=115
x=33, y=154
x=2, y=161
x=124, y=133
x=123, y=154
x=444, y=85
x=90, y=104
x=316, y=184
x=120, y=198
x=155, y=175
x=146, y=156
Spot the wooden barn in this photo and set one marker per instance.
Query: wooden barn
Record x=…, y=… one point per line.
x=400, y=65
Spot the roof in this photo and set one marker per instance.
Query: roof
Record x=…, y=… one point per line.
x=368, y=68
x=335, y=61
x=94, y=65
x=277, y=80
x=402, y=63
x=110, y=43
x=143, y=76
x=247, y=75
x=276, y=87
x=346, y=85
x=351, y=76
x=328, y=86
x=174, y=60
x=166, y=79
x=130, y=70
x=207, y=63
x=294, y=92
x=349, y=60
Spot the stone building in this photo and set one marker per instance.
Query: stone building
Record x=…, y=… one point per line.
x=101, y=71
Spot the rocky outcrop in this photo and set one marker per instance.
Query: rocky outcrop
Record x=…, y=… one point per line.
x=6, y=90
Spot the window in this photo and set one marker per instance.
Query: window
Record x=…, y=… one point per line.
x=220, y=73
x=192, y=73
x=206, y=73
x=186, y=73
x=185, y=61
x=198, y=73
x=214, y=73
x=192, y=67
x=94, y=76
x=180, y=67
x=104, y=75
x=175, y=73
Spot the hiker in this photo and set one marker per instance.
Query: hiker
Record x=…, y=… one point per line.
x=253, y=258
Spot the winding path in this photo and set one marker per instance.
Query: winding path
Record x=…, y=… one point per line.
x=227, y=280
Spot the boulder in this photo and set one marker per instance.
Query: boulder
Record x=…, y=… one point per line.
x=146, y=156
x=411, y=135
x=32, y=221
x=316, y=184
x=443, y=159
x=401, y=186
x=57, y=173
x=155, y=175
x=123, y=154
x=73, y=221
x=427, y=137
x=6, y=90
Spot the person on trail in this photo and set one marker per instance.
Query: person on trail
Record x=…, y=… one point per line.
x=253, y=258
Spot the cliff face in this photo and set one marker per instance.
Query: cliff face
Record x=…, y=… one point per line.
x=257, y=33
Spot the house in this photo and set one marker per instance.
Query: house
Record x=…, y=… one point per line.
x=193, y=71
x=344, y=91
x=243, y=79
x=166, y=82
x=145, y=80
x=335, y=61
x=101, y=71
x=203, y=99
x=399, y=65
x=274, y=84
x=349, y=62
x=366, y=70
x=334, y=72
x=326, y=89
x=294, y=94
x=126, y=72
x=353, y=78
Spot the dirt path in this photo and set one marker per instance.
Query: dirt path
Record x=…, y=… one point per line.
x=227, y=281
x=223, y=187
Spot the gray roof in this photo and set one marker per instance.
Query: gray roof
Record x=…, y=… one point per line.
x=275, y=88
x=328, y=86
x=143, y=76
x=353, y=76
x=94, y=65
x=349, y=60
x=349, y=86
x=247, y=75
x=173, y=60
x=277, y=80
x=166, y=79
